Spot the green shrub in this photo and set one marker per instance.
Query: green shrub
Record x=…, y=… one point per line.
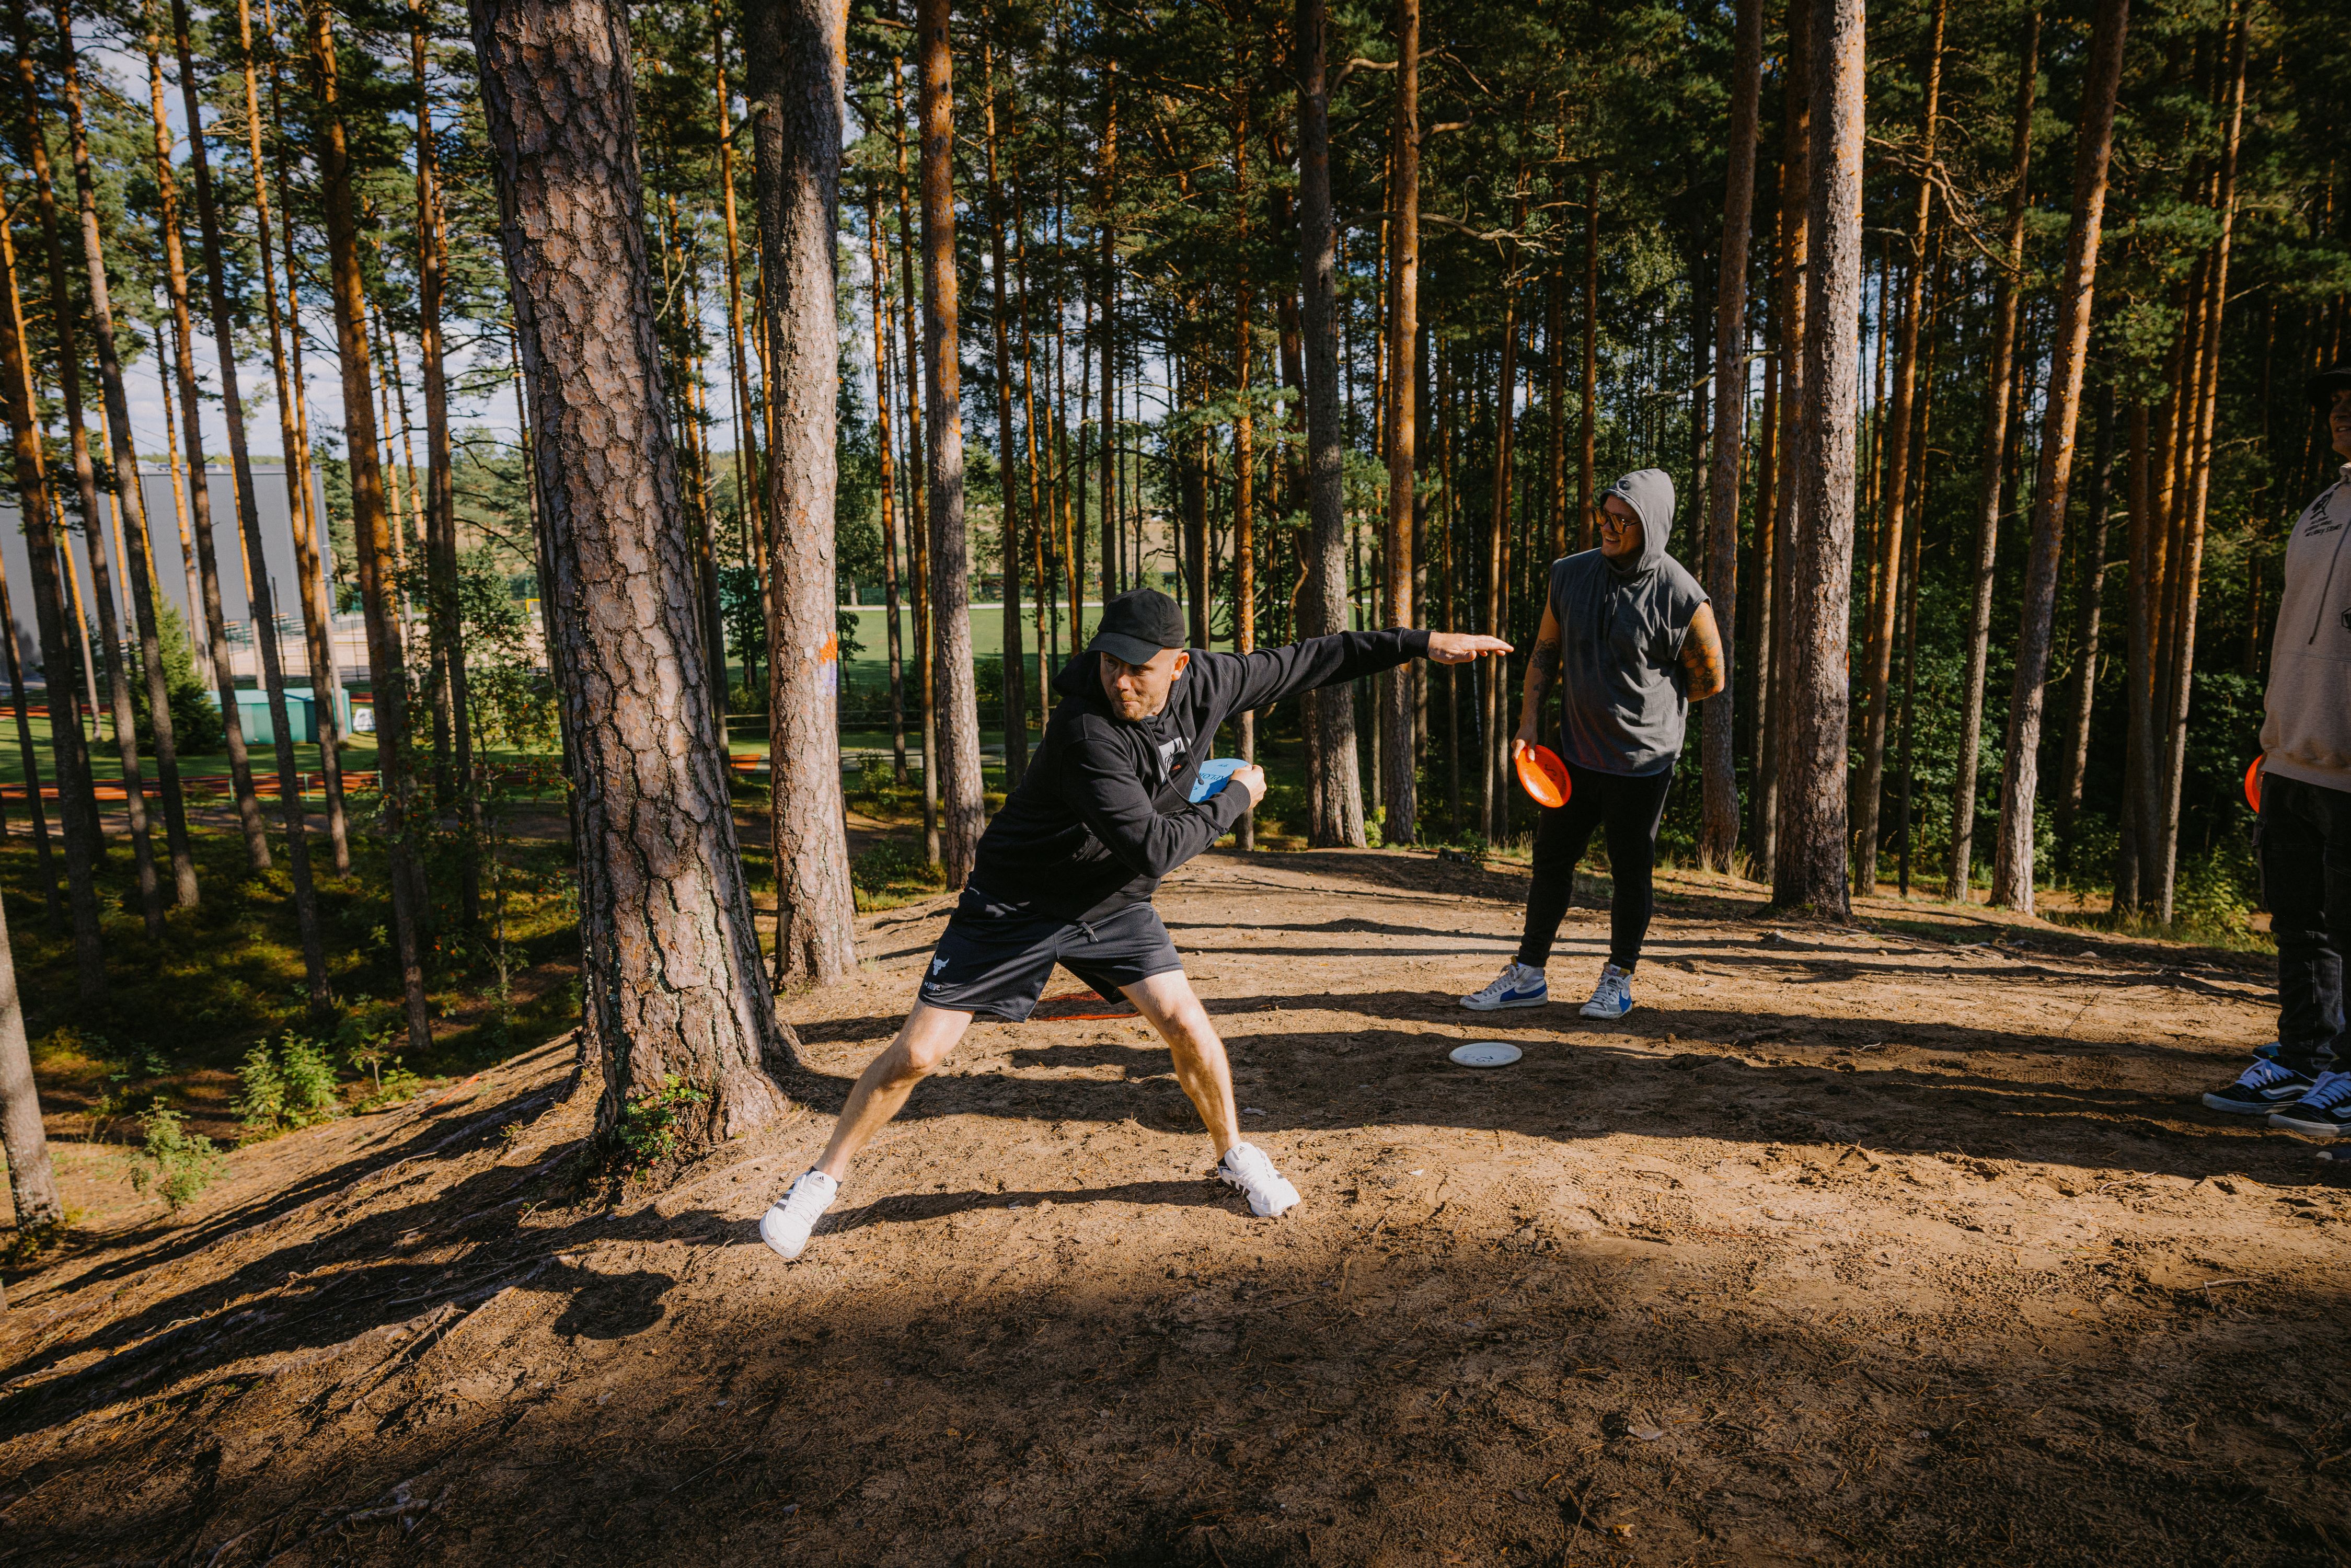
x=389, y=1083
x=648, y=1131
x=177, y=1164
x=292, y=1085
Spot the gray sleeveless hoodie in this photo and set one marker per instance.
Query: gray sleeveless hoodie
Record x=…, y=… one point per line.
x=1621, y=634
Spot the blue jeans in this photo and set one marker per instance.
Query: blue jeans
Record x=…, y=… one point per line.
x=2302, y=840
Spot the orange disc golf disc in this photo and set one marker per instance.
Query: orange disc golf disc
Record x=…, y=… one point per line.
x=2254, y=784
x=1543, y=775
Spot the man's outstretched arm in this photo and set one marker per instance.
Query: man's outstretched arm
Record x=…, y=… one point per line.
x=1272, y=674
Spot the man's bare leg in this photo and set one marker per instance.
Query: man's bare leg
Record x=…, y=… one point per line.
x=1170, y=1004
x=1206, y=1072
x=924, y=1041
x=923, y=1044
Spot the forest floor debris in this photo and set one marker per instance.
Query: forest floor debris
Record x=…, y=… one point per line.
x=1881, y=1244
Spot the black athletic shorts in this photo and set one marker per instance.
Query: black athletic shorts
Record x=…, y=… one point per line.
x=995, y=958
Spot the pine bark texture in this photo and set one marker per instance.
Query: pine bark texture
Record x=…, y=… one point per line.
x=2006, y=302
x=960, y=802
x=1894, y=443
x=1398, y=753
x=2013, y=864
x=1795, y=247
x=795, y=83
x=31, y=1176
x=1334, y=788
x=1718, y=821
x=669, y=947
x=1810, y=874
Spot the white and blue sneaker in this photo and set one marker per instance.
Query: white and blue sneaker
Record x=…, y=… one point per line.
x=2323, y=1112
x=1613, y=996
x=1518, y=985
x=2263, y=1087
x=790, y=1219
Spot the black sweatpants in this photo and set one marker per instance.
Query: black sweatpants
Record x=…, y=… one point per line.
x=1626, y=810
x=2302, y=840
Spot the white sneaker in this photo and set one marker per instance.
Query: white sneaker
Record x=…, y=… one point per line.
x=1518, y=985
x=1613, y=996
x=1246, y=1168
x=786, y=1225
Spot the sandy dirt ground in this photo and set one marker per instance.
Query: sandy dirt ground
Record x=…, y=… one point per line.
x=1903, y=1243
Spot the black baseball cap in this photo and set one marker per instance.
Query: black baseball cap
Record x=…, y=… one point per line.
x=2321, y=387
x=1135, y=626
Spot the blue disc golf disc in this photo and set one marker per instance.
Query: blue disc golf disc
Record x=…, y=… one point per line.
x=1214, y=774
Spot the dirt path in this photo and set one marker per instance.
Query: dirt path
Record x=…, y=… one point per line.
x=1858, y=1246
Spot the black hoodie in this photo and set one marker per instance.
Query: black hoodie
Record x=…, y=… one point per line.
x=1101, y=813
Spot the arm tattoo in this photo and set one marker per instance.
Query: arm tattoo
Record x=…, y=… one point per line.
x=1543, y=664
x=1702, y=659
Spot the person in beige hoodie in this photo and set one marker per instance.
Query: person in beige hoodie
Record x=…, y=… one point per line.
x=2301, y=838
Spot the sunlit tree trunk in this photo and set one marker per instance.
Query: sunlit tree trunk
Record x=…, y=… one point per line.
x=2191, y=568
x=1588, y=428
x=1773, y=716
x=1810, y=874
x=116, y=701
x=130, y=521
x=670, y=950
x=960, y=802
x=1016, y=672
x=440, y=495
x=1894, y=443
x=32, y=1179
x=260, y=598
x=2089, y=592
x=1719, y=825
x=891, y=601
x=318, y=614
x=796, y=78
x=200, y=510
x=77, y=809
x=1400, y=782
x=918, y=538
x=1334, y=779
x=1997, y=385
x=2013, y=864
x=372, y=528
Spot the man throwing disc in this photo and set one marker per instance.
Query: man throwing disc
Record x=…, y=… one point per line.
x=1066, y=871
x=1629, y=636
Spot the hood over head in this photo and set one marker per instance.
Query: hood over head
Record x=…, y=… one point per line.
x=1650, y=493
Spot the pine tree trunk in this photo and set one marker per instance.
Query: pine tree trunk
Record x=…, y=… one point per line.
x=77, y=808
x=2138, y=740
x=45, y=863
x=670, y=950
x=2191, y=568
x=2089, y=590
x=1399, y=755
x=116, y=701
x=796, y=80
x=888, y=487
x=918, y=540
x=1997, y=414
x=372, y=533
x=1107, y=506
x=1016, y=664
x=1244, y=440
x=1795, y=241
x=961, y=804
x=2013, y=864
x=1333, y=780
x=318, y=614
x=259, y=597
x=200, y=509
x=1810, y=873
x=32, y=1179
x=1589, y=430
x=440, y=496
x=1719, y=826
x=130, y=520
x=1893, y=444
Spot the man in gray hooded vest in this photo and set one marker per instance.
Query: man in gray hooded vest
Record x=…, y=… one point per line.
x=1631, y=641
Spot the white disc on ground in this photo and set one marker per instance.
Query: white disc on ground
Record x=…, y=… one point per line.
x=1485, y=1053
